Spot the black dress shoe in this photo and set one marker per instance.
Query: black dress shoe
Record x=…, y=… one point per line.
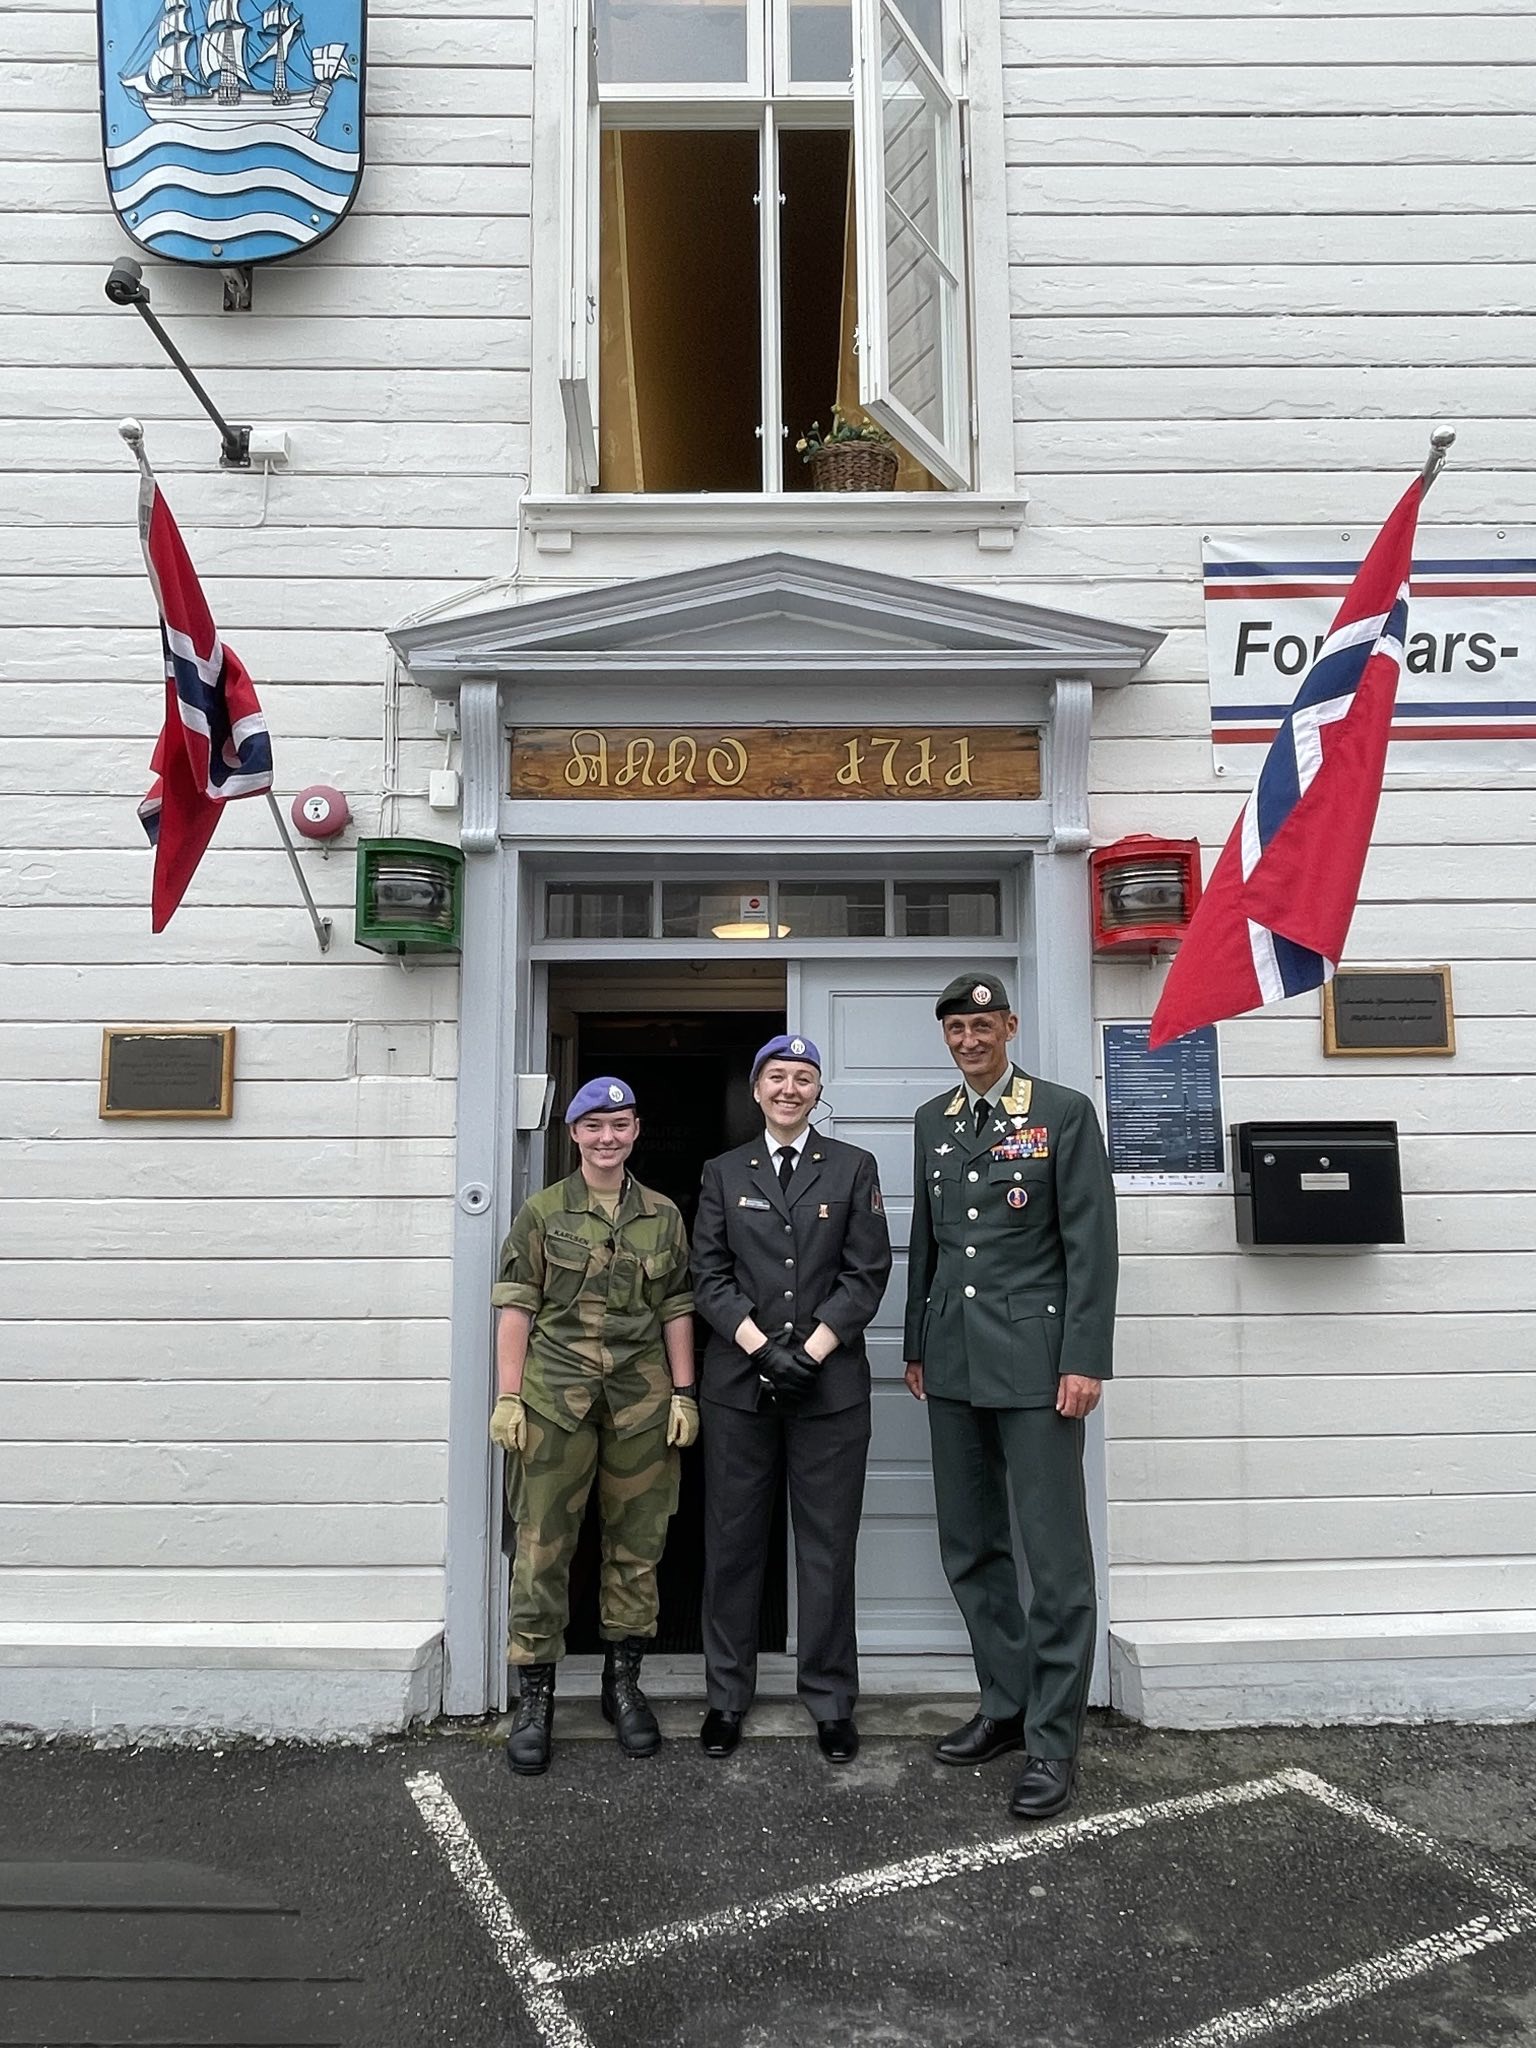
x=721, y=1732
x=980, y=1740
x=839, y=1740
x=1046, y=1788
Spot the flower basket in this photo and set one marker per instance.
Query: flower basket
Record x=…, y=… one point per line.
x=853, y=466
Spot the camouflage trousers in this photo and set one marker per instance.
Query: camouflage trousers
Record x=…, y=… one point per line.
x=547, y=1490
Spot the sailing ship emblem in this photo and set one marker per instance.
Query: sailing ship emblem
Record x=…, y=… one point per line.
x=232, y=129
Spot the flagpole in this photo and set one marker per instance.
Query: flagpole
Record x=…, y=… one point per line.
x=321, y=924
x=133, y=434
x=1439, y=442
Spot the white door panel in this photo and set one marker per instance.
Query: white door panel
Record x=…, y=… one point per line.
x=882, y=1056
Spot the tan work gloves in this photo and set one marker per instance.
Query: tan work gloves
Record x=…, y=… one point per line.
x=682, y=1422
x=509, y=1423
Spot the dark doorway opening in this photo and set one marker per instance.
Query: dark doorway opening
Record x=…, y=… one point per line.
x=690, y=1073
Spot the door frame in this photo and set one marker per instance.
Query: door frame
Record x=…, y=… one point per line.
x=499, y=1166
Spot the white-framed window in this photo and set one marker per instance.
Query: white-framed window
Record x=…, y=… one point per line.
x=763, y=217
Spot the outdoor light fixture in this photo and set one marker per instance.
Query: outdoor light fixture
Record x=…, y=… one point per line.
x=1144, y=892
x=410, y=896
x=125, y=286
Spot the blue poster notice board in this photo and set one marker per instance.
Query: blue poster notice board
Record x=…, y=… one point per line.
x=1163, y=1111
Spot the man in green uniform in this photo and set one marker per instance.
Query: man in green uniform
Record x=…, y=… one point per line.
x=1010, y=1329
x=594, y=1373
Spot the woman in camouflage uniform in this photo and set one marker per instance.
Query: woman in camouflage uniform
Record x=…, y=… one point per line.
x=594, y=1374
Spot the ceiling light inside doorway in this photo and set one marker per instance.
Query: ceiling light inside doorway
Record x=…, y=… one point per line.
x=745, y=928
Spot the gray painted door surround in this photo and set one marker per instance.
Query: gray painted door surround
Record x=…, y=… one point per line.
x=775, y=637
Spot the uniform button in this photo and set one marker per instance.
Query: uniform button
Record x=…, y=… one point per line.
x=969, y=1292
x=1018, y=1176
x=789, y=1262
x=789, y=1230
x=973, y=1176
x=970, y=1251
x=1050, y=1308
x=789, y=1294
x=973, y=1214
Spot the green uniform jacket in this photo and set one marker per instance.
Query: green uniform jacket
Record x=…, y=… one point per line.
x=598, y=1293
x=1014, y=1259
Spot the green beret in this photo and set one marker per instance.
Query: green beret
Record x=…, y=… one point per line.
x=968, y=993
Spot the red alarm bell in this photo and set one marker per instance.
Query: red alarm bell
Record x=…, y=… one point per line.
x=1144, y=892
x=320, y=812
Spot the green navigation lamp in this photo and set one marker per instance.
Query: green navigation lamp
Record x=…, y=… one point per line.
x=410, y=896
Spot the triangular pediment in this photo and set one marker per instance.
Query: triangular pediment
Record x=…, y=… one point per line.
x=774, y=611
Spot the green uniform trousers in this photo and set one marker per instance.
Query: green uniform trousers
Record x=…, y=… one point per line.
x=1036, y=1663
x=547, y=1489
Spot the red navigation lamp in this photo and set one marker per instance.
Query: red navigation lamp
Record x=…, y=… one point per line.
x=1144, y=892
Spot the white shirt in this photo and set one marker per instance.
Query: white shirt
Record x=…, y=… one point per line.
x=795, y=1145
x=994, y=1094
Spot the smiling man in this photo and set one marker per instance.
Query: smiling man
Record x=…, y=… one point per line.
x=594, y=1373
x=1009, y=1335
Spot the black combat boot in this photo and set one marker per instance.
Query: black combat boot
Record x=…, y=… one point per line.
x=528, y=1745
x=624, y=1704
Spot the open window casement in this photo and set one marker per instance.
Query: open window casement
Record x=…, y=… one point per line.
x=913, y=352
x=578, y=352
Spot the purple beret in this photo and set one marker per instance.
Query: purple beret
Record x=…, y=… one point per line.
x=606, y=1093
x=787, y=1046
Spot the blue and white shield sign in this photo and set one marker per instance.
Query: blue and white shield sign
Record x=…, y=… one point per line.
x=233, y=129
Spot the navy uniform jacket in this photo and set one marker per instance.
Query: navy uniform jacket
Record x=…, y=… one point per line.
x=821, y=1255
x=1014, y=1258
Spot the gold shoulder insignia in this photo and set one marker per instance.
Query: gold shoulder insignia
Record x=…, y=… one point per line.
x=1016, y=1101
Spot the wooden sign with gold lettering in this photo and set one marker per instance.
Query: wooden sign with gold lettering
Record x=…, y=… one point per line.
x=892, y=761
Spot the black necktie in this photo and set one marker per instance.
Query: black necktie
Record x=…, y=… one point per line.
x=786, y=1166
x=983, y=1111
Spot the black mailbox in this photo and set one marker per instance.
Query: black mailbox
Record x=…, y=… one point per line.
x=1301, y=1184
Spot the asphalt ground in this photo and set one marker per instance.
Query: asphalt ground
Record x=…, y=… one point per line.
x=1307, y=1888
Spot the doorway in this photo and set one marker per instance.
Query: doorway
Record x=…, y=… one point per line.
x=683, y=1038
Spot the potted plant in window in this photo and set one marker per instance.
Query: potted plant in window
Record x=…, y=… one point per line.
x=853, y=455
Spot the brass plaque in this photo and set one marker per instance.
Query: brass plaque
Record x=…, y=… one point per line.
x=825, y=762
x=1387, y=1010
x=167, y=1070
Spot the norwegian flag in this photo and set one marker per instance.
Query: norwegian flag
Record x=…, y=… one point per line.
x=1277, y=910
x=214, y=744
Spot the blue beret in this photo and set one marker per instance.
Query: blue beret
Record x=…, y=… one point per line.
x=606, y=1093
x=787, y=1046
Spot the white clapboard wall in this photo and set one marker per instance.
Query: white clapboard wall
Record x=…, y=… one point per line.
x=1240, y=298
x=224, y=1348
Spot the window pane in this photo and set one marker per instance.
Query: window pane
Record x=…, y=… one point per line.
x=589, y=910
x=820, y=41
x=925, y=18
x=833, y=910
x=920, y=309
x=948, y=910
x=727, y=910
x=672, y=42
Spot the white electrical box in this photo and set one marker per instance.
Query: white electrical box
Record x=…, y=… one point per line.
x=443, y=789
x=535, y=1099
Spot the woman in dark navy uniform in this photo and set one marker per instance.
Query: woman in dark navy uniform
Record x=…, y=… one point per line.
x=790, y=1259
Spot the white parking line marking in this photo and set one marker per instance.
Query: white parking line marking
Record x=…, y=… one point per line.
x=536, y=1976
x=1360, y=1980
x=911, y=1874
x=557, y=2025
x=1466, y=1866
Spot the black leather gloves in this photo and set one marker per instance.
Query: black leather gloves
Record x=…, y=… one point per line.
x=791, y=1374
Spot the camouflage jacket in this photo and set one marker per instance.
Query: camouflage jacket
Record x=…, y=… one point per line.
x=598, y=1293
